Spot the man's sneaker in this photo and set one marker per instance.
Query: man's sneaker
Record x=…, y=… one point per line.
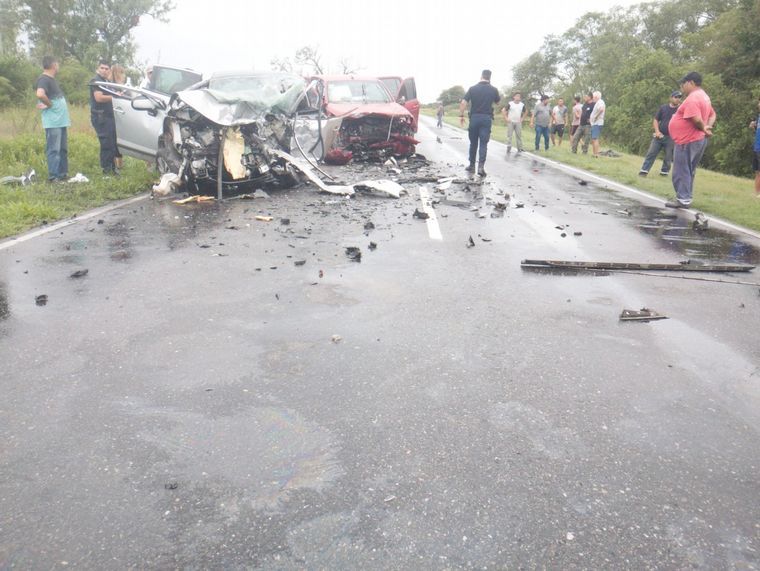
x=674, y=203
x=470, y=168
x=644, y=173
x=509, y=149
x=481, y=171
x=663, y=173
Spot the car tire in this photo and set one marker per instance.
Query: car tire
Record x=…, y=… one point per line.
x=167, y=157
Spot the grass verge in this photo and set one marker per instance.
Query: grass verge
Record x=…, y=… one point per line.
x=728, y=197
x=22, y=146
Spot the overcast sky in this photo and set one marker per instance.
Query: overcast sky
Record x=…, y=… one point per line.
x=440, y=43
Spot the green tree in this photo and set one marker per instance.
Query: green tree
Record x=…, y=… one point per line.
x=87, y=30
x=452, y=95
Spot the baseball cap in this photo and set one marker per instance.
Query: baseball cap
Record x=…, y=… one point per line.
x=676, y=93
x=691, y=76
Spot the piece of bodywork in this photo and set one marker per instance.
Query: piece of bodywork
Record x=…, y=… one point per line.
x=373, y=126
x=222, y=132
x=644, y=314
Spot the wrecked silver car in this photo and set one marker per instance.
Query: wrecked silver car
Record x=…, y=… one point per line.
x=226, y=131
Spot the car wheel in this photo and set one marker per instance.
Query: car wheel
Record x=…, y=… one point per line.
x=167, y=157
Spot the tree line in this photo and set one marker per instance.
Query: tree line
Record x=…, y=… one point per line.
x=635, y=57
x=77, y=32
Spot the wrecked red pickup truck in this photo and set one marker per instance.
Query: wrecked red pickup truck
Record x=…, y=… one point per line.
x=373, y=126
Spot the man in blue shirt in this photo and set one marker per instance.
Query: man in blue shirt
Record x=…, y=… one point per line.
x=661, y=138
x=55, y=120
x=756, y=150
x=482, y=96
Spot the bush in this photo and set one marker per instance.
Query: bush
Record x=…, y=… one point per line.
x=17, y=76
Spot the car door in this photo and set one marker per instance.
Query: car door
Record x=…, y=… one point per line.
x=139, y=116
x=405, y=90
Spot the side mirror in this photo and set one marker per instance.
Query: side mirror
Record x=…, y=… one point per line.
x=401, y=100
x=143, y=104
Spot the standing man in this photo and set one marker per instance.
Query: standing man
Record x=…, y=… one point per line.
x=584, y=128
x=690, y=128
x=439, y=115
x=559, y=118
x=756, y=150
x=541, y=118
x=55, y=120
x=661, y=139
x=482, y=96
x=514, y=114
x=577, y=109
x=597, y=121
x=101, y=116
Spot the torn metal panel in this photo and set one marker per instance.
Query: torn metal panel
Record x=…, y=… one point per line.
x=307, y=170
x=383, y=187
x=687, y=266
x=234, y=147
x=644, y=314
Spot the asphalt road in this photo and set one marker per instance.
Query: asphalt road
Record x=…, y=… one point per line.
x=199, y=401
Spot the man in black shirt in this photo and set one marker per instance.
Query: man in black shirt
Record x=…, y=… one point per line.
x=661, y=139
x=584, y=129
x=101, y=116
x=482, y=96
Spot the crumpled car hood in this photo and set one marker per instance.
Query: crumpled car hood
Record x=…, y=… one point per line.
x=354, y=110
x=242, y=108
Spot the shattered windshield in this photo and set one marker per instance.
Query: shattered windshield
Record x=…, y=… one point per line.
x=278, y=92
x=355, y=91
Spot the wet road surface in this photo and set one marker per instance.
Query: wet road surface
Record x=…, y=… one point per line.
x=203, y=399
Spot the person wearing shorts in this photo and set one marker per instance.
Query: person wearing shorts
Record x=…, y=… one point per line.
x=559, y=118
x=597, y=121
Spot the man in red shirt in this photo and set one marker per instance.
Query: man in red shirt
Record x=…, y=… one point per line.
x=690, y=128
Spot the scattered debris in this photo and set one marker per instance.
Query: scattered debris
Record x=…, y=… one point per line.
x=25, y=179
x=194, y=198
x=321, y=274
x=369, y=226
x=577, y=233
x=372, y=246
x=168, y=184
x=625, y=212
x=583, y=182
x=421, y=215
x=519, y=205
x=171, y=485
x=470, y=242
x=700, y=223
x=80, y=273
x=285, y=221
x=610, y=153
x=41, y=299
x=264, y=218
x=563, y=235
x=389, y=499
x=299, y=262
x=79, y=177
x=382, y=187
x=336, y=339
x=644, y=314
x=354, y=254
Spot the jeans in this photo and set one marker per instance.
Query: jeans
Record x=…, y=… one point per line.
x=583, y=132
x=57, y=152
x=654, y=149
x=439, y=124
x=545, y=132
x=480, y=134
x=685, y=160
x=516, y=128
x=105, y=127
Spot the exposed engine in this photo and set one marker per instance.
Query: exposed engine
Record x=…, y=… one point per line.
x=377, y=137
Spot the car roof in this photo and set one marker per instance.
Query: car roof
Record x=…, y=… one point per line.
x=329, y=78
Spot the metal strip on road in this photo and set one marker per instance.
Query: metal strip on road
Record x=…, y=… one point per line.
x=434, y=229
x=10, y=242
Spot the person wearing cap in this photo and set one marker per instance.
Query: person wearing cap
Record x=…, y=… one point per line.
x=690, y=128
x=661, y=139
x=756, y=150
x=541, y=118
x=482, y=96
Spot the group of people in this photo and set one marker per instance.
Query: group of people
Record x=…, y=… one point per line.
x=56, y=119
x=681, y=129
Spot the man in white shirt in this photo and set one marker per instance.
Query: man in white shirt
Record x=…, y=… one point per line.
x=514, y=114
x=597, y=121
x=559, y=118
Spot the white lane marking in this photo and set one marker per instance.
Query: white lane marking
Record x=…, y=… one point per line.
x=434, y=230
x=10, y=242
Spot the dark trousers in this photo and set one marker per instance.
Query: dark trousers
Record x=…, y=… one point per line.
x=654, y=149
x=480, y=134
x=57, y=152
x=105, y=127
x=542, y=131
